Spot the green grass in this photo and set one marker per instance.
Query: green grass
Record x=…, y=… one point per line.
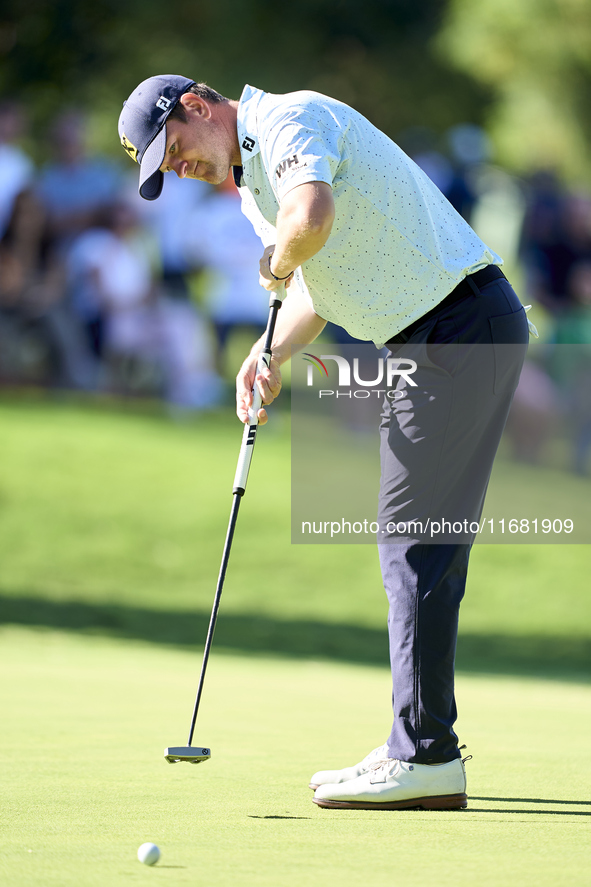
x=329, y=447
x=114, y=521
x=111, y=529
x=85, y=722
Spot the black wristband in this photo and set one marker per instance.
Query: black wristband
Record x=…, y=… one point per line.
x=274, y=276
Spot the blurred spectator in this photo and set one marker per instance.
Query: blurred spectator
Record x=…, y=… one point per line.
x=422, y=144
x=497, y=215
x=469, y=148
x=113, y=291
x=21, y=264
x=16, y=169
x=72, y=190
x=22, y=250
x=534, y=414
x=222, y=239
x=451, y=166
x=169, y=218
x=75, y=186
x=556, y=236
x=573, y=326
x=40, y=340
x=571, y=361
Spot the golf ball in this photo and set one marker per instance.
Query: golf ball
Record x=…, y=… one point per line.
x=148, y=853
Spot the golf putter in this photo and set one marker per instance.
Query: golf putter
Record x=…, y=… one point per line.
x=190, y=753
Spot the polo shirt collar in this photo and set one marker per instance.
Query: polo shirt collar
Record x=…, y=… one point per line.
x=247, y=122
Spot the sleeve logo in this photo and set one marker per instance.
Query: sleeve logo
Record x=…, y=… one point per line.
x=286, y=164
x=248, y=143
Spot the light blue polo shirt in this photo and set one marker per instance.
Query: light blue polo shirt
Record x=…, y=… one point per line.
x=397, y=246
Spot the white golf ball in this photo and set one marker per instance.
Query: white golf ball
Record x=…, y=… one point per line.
x=148, y=853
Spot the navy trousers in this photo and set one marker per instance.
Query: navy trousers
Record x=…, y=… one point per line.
x=438, y=443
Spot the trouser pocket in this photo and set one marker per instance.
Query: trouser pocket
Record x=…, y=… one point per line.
x=509, y=333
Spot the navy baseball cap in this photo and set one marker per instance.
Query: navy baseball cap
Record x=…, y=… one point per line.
x=142, y=126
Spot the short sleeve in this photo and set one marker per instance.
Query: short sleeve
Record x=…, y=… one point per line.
x=300, y=149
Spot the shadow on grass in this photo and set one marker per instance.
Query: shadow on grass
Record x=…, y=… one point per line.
x=527, y=811
x=532, y=810
x=547, y=655
x=251, y=816
x=535, y=801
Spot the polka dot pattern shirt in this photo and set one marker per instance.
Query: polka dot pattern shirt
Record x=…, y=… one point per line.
x=397, y=246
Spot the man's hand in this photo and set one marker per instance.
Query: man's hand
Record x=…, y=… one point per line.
x=268, y=383
x=266, y=279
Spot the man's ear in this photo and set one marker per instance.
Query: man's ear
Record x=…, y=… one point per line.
x=195, y=106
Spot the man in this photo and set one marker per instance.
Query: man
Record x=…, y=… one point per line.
x=363, y=238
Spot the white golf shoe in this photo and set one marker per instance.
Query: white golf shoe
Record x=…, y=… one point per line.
x=335, y=777
x=392, y=785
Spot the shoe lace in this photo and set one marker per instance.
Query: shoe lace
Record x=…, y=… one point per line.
x=378, y=754
x=389, y=764
x=463, y=747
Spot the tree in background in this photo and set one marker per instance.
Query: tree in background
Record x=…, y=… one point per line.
x=376, y=55
x=535, y=57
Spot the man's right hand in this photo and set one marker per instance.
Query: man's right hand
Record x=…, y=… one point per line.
x=268, y=383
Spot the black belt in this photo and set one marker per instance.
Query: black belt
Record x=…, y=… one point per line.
x=470, y=285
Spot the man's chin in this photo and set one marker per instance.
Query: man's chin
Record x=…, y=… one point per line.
x=217, y=177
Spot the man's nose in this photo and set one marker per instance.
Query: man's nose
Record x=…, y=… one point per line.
x=179, y=167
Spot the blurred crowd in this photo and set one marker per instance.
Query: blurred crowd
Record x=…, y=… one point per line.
x=102, y=291
x=543, y=231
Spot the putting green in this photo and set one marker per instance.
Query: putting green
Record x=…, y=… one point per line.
x=86, y=719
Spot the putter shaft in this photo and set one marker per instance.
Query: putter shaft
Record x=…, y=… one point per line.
x=240, y=480
x=216, y=606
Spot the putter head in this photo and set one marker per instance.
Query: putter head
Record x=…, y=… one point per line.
x=191, y=754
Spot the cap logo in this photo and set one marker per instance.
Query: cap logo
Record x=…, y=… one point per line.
x=129, y=147
x=163, y=103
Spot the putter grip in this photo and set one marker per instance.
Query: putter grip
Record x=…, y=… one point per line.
x=250, y=430
x=257, y=401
